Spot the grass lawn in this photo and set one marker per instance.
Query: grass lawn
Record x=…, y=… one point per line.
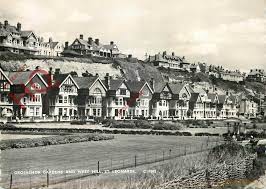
x=85, y=155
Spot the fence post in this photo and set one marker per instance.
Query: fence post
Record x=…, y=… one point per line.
x=163, y=155
x=30, y=181
x=185, y=150
x=135, y=160
x=170, y=153
x=47, y=178
x=11, y=181
x=98, y=166
x=111, y=163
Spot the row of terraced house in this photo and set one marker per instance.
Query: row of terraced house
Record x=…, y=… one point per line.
x=39, y=94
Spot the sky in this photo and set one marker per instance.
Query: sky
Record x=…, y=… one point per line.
x=230, y=33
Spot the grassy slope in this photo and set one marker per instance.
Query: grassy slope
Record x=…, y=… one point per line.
x=85, y=155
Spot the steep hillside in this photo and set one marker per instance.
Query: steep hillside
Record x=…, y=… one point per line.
x=131, y=69
x=65, y=66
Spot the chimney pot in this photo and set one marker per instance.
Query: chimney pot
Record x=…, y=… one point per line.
x=19, y=26
x=66, y=44
x=111, y=43
x=6, y=23
x=152, y=83
x=90, y=40
x=107, y=80
x=81, y=36
x=97, y=41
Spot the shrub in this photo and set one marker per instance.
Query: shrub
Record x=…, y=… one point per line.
x=166, y=126
x=143, y=124
x=186, y=134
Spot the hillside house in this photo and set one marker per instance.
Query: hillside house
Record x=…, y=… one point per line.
x=234, y=76
x=50, y=48
x=90, y=47
x=168, y=61
x=257, y=75
x=16, y=40
x=91, y=97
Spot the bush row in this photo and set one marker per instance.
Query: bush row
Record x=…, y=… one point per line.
x=142, y=124
x=106, y=131
x=52, y=140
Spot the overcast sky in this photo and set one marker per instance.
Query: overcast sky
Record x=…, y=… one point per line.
x=221, y=32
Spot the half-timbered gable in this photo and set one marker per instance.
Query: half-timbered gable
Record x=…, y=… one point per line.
x=6, y=108
x=27, y=93
x=62, y=97
x=140, y=96
x=91, y=97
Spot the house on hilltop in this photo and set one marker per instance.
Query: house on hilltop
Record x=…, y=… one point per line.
x=90, y=47
x=16, y=40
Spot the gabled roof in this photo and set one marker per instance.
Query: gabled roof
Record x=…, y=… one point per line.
x=222, y=98
x=115, y=84
x=159, y=86
x=5, y=74
x=24, y=77
x=176, y=87
x=212, y=97
x=26, y=33
x=65, y=78
x=87, y=82
x=194, y=97
x=52, y=44
x=137, y=86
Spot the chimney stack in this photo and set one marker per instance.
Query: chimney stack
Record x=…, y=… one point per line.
x=66, y=45
x=90, y=40
x=50, y=39
x=111, y=43
x=81, y=36
x=19, y=26
x=152, y=83
x=6, y=23
x=1, y=25
x=51, y=77
x=173, y=53
x=97, y=41
x=107, y=80
x=164, y=53
x=57, y=71
x=97, y=74
x=130, y=56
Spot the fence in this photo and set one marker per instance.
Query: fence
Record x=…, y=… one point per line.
x=50, y=177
